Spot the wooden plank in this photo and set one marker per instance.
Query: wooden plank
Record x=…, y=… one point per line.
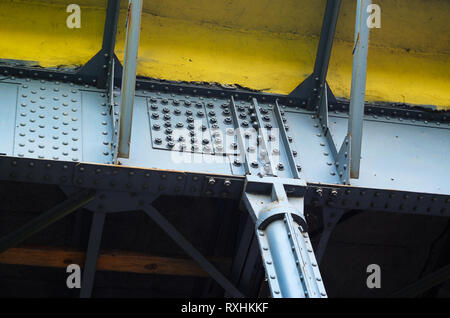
x=116, y=261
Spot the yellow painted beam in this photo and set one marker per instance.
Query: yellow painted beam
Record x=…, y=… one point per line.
x=260, y=44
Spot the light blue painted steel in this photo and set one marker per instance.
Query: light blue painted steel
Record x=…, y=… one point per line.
x=295, y=168
x=48, y=121
x=114, y=100
x=313, y=149
x=285, y=268
x=240, y=144
x=265, y=152
x=97, y=129
x=401, y=156
x=277, y=206
x=180, y=125
x=143, y=154
x=358, y=89
x=8, y=102
x=398, y=154
x=129, y=76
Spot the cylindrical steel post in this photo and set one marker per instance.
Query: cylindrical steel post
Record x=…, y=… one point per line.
x=284, y=261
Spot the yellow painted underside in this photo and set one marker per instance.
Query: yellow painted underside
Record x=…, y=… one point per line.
x=261, y=44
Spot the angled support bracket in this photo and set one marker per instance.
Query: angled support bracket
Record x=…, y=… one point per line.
x=318, y=93
x=424, y=284
x=331, y=217
x=341, y=156
x=100, y=66
x=312, y=88
x=182, y=242
x=276, y=206
x=46, y=219
x=347, y=158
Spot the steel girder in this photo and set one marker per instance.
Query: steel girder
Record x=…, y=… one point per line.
x=62, y=133
x=63, y=128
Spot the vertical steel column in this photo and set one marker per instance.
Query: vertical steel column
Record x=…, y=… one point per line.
x=358, y=92
x=129, y=76
x=288, y=257
x=283, y=261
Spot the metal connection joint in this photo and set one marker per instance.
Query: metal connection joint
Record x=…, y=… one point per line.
x=276, y=205
x=292, y=187
x=280, y=213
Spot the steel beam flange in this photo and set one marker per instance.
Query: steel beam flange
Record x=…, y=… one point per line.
x=346, y=197
x=399, y=111
x=107, y=201
x=213, y=91
x=119, y=178
x=48, y=74
x=402, y=111
x=36, y=170
x=222, y=187
x=127, y=179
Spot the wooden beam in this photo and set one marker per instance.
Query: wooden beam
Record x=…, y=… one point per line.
x=116, y=261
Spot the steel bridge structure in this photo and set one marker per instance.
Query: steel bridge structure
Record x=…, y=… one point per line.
x=114, y=142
